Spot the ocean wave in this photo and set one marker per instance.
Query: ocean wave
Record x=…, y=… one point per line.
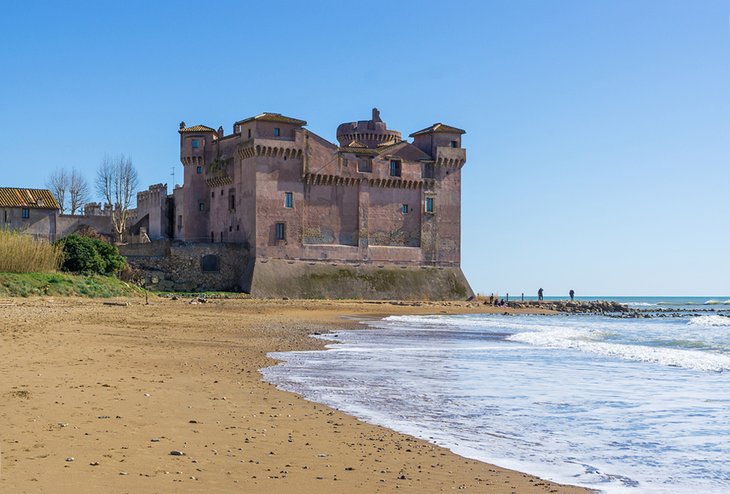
x=717, y=302
x=640, y=304
x=712, y=321
x=573, y=340
x=467, y=324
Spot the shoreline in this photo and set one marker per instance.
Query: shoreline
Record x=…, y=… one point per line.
x=117, y=388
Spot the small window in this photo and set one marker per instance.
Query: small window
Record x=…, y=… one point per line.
x=26, y=213
x=277, y=131
x=280, y=231
x=179, y=222
x=364, y=165
x=212, y=195
x=199, y=170
x=221, y=192
x=404, y=209
x=288, y=200
x=454, y=144
x=429, y=170
x=249, y=133
x=5, y=213
x=232, y=202
x=429, y=204
x=221, y=237
x=238, y=228
x=196, y=144
x=394, y=168
x=230, y=229
x=201, y=206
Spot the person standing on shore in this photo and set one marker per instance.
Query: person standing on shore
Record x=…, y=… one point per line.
x=539, y=295
x=572, y=294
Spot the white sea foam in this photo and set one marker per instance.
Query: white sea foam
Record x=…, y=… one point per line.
x=567, y=398
x=717, y=302
x=688, y=359
x=711, y=321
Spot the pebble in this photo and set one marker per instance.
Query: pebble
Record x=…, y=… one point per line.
x=94, y=463
x=175, y=452
x=70, y=459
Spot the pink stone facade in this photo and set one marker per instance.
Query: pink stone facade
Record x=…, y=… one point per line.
x=287, y=193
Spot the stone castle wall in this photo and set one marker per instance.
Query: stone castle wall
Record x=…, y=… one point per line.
x=179, y=266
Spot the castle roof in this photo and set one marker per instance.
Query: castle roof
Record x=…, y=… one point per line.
x=438, y=127
x=196, y=128
x=405, y=150
x=11, y=197
x=358, y=150
x=273, y=117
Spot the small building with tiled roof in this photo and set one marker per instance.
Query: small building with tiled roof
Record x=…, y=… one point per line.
x=32, y=211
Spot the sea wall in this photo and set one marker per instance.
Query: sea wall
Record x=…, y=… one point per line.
x=271, y=278
x=180, y=266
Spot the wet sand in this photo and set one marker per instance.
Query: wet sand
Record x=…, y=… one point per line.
x=95, y=397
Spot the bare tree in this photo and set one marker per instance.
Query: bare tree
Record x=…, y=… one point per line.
x=58, y=184
x=116, y=182
x=78, y=191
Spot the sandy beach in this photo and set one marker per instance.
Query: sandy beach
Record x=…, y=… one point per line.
x=96, y=397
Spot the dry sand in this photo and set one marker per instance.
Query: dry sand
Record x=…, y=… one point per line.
x=94, y=397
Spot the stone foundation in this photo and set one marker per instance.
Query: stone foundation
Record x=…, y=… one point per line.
x=272, y=278
x=186, y=267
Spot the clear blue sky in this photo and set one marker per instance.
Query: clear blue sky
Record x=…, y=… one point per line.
x=598, y=138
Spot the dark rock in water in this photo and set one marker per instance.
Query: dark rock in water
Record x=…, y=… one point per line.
x=602, y=307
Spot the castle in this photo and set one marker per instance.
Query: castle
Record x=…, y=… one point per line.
x=371, y=213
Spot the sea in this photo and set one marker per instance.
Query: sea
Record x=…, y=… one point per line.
x=621, y=405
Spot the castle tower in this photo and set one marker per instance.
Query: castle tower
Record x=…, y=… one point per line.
x=194, y=141
x=369, y=133
x=442, y=199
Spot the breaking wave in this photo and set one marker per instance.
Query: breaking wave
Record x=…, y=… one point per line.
x=711, y=321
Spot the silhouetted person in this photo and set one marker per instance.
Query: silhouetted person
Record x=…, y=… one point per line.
x=572, y=295
x=539, y=294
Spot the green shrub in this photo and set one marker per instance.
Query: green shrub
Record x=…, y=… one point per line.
x=90, y=256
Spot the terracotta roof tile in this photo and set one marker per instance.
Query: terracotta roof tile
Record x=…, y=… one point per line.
x=197, y=128
x=273, y=117
x=11, y=197
x=439, y=127
x=359, y=150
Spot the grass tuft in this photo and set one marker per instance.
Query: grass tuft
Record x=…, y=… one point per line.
x=21, y=253
x=59, y=284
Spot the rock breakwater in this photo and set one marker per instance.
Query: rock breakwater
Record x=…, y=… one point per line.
x=573, y=307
